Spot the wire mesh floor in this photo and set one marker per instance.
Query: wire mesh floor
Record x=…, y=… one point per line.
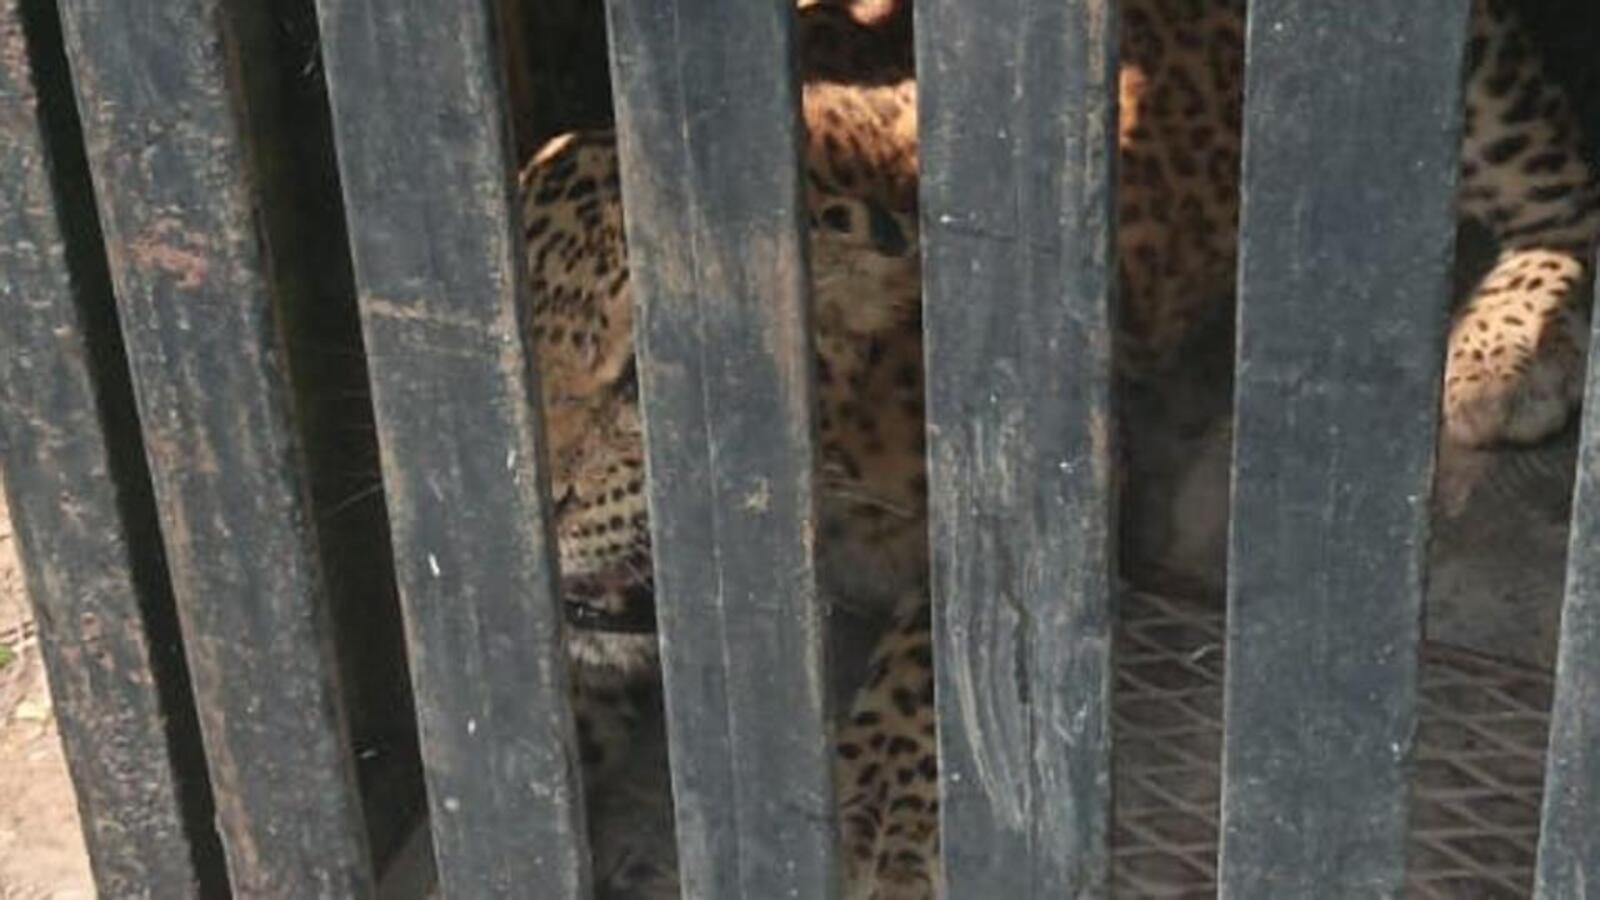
x=1474, y=810
x=1479, y=769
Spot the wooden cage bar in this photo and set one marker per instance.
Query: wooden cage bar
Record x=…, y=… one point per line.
x=1341, y=327
x=709, y=142
x=80, y=501
x=161, y=94
x=1018, y=135
x=1569, y=835
x=428, y=173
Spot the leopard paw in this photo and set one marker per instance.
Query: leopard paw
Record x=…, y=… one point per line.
x=1513, y=390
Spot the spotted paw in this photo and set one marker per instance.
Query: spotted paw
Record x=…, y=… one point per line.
x=1516, y=389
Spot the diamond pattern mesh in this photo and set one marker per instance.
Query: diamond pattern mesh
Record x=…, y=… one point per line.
x=1479, y=764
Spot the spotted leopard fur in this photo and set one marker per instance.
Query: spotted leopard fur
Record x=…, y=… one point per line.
x=1512, y=374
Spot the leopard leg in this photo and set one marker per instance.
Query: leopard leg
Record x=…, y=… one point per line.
x=887, y=768
x=1514, y=365
x=1178, y=141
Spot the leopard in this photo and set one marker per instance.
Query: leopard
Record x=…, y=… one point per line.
x=1512, y=372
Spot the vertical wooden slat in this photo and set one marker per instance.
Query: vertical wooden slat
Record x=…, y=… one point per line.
x=1352, y=131
x=1018, y=130
x=426, y=159
x=158, y=88
x=1569, y=841
x=296, y=174
x=708, y=126
x=80, y=498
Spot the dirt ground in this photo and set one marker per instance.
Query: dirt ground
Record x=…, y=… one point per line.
x=41, y=847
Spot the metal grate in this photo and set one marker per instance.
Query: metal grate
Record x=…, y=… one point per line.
x=1480, y=757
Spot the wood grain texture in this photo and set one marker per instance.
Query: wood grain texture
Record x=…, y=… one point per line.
x=1018, y=130
x=709, y=134
x=1569, y=843
x=80, y=498
x=428, y=168
x=1352, y=132
x=159, y=92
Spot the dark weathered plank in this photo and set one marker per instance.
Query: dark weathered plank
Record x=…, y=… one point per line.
x=428, y=178
x=709, y=140
x=302, y=216
x=1347, y=236
x=80, y=498
x=158, y=89
x=1017, y=140
x=1569, y=842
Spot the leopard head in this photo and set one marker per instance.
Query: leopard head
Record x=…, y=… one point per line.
x=582, y=330
x=865, y=300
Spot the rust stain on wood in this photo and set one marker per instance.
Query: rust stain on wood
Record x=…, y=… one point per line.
x=166, y=247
